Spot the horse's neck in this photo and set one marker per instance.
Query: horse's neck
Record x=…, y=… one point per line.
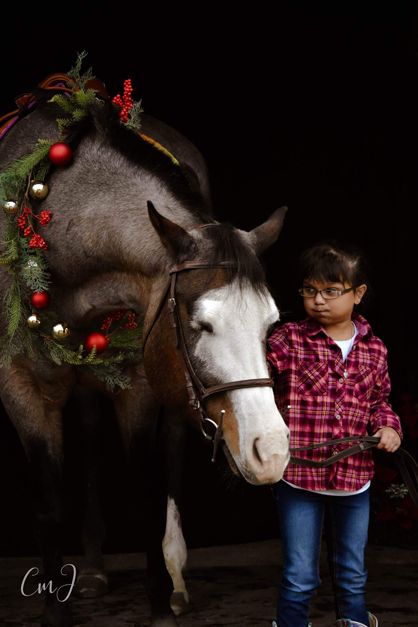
x=103, y=252
x=100, y=294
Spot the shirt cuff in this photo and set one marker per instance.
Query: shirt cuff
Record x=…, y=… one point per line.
x=387, y=421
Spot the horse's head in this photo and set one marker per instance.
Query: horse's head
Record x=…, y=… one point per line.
x=225, y=315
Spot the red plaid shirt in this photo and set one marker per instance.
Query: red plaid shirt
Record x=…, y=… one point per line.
x=330, y=398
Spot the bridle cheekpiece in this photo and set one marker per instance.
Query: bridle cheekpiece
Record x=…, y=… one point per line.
x=196, y=390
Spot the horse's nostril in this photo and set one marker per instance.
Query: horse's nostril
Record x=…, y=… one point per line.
x=255, y=450
x=288, y=436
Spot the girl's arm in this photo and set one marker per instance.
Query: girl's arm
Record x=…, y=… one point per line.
x=277, y=352
x=384, y=423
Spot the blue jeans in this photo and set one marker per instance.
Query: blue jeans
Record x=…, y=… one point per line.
x=301, y=516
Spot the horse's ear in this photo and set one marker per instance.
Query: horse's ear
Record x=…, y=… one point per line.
x=172, y=236
x=267, y=233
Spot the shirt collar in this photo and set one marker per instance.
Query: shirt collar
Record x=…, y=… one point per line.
x=312, y=327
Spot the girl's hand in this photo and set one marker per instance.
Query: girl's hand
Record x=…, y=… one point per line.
x=389, y=439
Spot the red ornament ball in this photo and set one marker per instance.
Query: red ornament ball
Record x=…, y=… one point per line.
x=40, y=300
x=96, y=339
x=60, y=153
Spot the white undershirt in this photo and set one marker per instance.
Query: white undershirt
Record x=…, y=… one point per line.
x=345, y=346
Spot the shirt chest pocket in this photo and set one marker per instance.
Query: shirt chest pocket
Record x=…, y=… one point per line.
x=313, y=378
x=363, y=383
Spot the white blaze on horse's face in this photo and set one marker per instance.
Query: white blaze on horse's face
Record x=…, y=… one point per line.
x=233, y=323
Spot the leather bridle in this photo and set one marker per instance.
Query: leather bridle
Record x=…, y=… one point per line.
x=196, y=390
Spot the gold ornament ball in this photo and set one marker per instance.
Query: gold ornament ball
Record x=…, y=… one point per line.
x=33, y=321
x=38, y=190
x=10, y=207
x=60, y=331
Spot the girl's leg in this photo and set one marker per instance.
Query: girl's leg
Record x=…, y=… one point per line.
x=301, y=515
x=347, y=526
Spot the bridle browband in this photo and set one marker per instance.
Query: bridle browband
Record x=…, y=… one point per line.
x=196, y=390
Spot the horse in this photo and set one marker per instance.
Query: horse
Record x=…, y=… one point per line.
x=132, y=229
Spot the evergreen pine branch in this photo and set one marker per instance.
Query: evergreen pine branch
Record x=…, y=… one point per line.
x=14, y=306
x=36, y=279
x=10, y=242
x=79, y=114
x=64, y=102
x=134, y=116
x=42, y=170
x=127, y=338
x=33, y=267
x=63, y=123
x=11, y=253
x=112, y=376
x=16, y=175
x=84, y=98
x=75, y=72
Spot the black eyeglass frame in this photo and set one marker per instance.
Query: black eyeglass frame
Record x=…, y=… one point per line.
x=338, y=292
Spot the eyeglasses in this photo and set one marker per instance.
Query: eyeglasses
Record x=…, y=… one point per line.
x=328, y=293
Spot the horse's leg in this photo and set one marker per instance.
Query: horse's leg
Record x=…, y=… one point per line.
x=35, y=408
x=174, y=545
x=92, y=580
x=138, y=416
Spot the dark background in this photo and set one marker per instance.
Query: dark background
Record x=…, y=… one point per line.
x=308, y=104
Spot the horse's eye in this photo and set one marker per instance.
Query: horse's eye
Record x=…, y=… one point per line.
x=205, y=326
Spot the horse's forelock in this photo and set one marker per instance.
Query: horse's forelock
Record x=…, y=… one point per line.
x=224, y=243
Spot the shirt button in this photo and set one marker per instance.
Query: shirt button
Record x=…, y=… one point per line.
x=341, y=380
x=335, y=453
x=337, y=416
x=345, y=373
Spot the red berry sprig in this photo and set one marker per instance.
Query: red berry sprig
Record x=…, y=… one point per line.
x=126, y=103
x=131, y=322
x=106, y=323
x=24, y=222
x=38, y=242
x=115, y=316
x=45, y=217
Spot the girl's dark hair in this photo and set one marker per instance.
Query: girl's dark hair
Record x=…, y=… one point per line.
x=334, y=263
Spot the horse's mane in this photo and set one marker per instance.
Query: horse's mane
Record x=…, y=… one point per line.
x=103, y=120
x=225, y=241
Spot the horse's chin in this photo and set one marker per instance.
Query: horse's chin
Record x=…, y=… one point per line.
x=231, y=461
x=242, y=471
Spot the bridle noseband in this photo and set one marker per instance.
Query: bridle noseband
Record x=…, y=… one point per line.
x=196, y=390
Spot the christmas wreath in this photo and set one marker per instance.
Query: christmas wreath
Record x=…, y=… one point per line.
x=32, y=326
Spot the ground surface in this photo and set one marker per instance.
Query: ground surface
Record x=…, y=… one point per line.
x=232, y=585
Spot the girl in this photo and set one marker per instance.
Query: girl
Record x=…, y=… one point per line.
x=332, y=372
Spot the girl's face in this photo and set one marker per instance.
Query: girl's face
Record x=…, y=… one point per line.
x=332, y=311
